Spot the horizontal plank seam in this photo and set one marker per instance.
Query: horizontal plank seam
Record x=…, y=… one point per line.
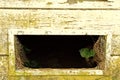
x=33, y=8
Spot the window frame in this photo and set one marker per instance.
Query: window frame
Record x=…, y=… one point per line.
x=48, y=71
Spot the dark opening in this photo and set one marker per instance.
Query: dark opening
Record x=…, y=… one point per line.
x=53, y=51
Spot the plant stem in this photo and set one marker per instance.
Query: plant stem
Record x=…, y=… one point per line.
x=87, y=59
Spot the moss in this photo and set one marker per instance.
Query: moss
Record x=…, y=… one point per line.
x=65, y=22
x=1, y=49
x=3, y=64
x=23, y=20
x=116, y=69
x=115, y=46
x=59, y=78
x=49, y=3
x=26, y=0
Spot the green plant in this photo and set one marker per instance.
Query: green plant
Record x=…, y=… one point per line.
x=86, y=53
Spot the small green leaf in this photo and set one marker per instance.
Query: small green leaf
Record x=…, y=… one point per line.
x=86, y=53
x=92, y=53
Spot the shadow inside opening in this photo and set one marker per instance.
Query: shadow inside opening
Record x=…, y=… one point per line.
x=53, y=51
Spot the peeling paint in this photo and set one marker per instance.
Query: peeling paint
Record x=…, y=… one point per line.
x=58, y=19
x=3, y=65
x=61, y=78
x=115, y=68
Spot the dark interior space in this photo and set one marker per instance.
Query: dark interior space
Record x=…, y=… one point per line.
x=56, y=51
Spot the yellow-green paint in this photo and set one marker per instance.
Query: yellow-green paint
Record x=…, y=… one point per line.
x=26, y=1
x=59, y=78
x=116, y=68
x=20, y=20
x=3, y=67
x=1, y=49
x=32, y=18
x=115, y=42
x=49, y=3
x=65, y=22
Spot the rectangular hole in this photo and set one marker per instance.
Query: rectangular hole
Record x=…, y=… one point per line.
x=58, y=51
